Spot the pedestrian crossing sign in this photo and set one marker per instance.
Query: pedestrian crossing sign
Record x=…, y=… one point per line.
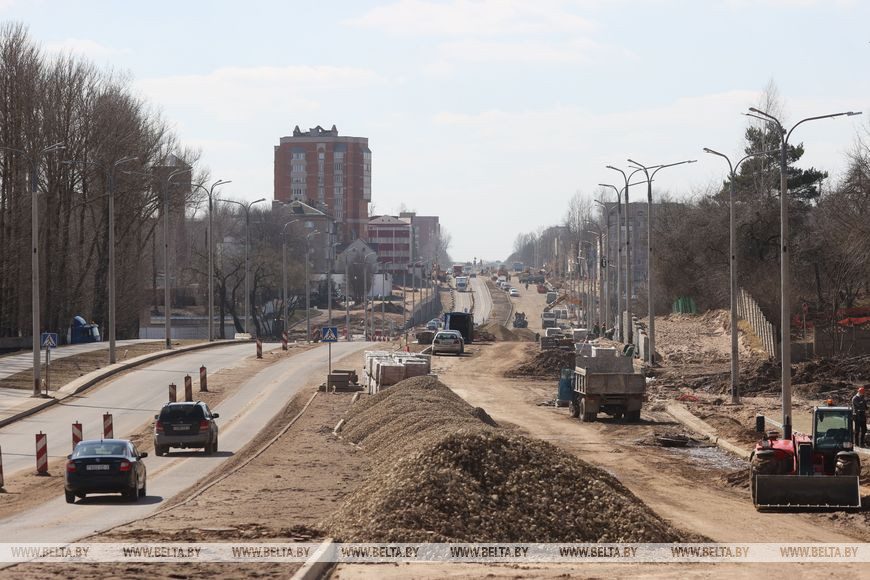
x=329, y=334
x=49, y=340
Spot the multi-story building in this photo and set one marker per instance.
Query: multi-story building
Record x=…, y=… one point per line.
x=391, y=239
x=329, y=172
x=426, y=231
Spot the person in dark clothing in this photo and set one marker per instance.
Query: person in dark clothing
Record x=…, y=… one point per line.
x=859, y=416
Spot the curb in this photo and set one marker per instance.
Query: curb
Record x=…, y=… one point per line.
x=314, y=569
x=684, y=416
x=89, y=380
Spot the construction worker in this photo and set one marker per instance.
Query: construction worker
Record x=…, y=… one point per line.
x=859, y=416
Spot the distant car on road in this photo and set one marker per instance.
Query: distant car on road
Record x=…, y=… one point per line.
x=448, y=341
x=431, y=325
x=105, y=466
x=186, y=425
x=514, y=292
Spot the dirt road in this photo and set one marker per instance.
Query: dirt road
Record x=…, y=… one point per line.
x=678, y=486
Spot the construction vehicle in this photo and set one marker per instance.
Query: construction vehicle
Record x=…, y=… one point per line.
x=462, y=322
x=548, y=320
x=606, y=383
x=520, y=320
x=807, y=471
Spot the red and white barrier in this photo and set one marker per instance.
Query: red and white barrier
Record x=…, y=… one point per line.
x=76, y=434
x=284, y=340
x=259, y=348
x=203, y=380
x=41, y=453
x=108, y=428
x=173, y=396
x=1, y=468
x=188, y=388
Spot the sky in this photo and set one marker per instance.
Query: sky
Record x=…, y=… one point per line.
x=490, y=113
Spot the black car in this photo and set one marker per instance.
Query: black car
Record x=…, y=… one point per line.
x=105, y=466
x=185, y=425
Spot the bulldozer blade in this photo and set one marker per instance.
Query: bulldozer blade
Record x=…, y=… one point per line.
x=807, y=491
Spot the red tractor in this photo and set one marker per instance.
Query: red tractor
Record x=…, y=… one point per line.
x=807, y=471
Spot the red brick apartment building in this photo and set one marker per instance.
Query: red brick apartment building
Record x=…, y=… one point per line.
x=328, y=172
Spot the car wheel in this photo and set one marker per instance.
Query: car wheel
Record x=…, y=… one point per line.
x=70, y=496
x=132, y=494
x=144, y=491
x=159, y=450
x=214, y=447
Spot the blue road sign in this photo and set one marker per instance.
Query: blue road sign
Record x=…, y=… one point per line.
x=48, y=340
x=329, y=334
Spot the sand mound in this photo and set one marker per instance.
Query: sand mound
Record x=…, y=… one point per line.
x=445, y=475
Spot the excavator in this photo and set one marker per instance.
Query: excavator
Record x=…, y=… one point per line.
x=818, y=470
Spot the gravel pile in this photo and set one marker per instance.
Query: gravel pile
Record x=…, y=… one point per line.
x=545, y=364
x=446, y=475
x=500, y=332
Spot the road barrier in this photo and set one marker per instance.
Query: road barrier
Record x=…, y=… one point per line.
x=173, y=397
x=1, y=469
x=284, y=340
x=76, y=434
x=108, y=428
x=188, y=388
x=259, y=348
x=203, y=380
x=41, y=453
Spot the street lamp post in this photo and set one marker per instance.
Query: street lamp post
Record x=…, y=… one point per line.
x=210, y=242
x=366, y=318
x=167, y=298
x=732, y=245
x=618, y=333
x=785, y=306
x=285, y=314
x=247, y=208
x=628, y=293
x=109, y=172
x=308, y=286
x=649, y=249
x=34, y=246
x=605, y=263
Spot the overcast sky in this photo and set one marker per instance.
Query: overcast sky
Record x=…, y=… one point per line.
x=490, y=114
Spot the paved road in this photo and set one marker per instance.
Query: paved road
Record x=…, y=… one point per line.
x=462, y=301
x=482, y=300
x=15, y=363
x=243, y=415
x=133, y=400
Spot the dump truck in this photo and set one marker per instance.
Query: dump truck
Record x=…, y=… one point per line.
x=548, y=320
x=606, y=383
x=818, y=470
x=462, y=322
x=520, y=320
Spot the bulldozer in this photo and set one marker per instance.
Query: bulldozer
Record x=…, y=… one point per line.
x=820, y=470
x=520, y=320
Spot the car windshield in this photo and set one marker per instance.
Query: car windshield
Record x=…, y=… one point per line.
x=442, y=335
x=174, y=412
x=832, y=428
x=99, y=448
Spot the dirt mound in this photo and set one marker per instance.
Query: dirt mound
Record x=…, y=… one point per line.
x=544, y=364
x=835, y=377
x=483, y=485
x=500, y=332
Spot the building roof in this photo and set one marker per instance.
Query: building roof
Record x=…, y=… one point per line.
x=388, y=220
x=317, y=131
x=296, y=207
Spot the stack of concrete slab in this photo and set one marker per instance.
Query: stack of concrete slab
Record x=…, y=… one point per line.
x=386, y=368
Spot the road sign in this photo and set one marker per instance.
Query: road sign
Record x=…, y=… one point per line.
x=48, y=340
x=329, y=334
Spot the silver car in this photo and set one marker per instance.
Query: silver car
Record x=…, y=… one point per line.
x=448, y=341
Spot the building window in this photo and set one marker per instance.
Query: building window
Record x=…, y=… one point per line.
x=298, y=157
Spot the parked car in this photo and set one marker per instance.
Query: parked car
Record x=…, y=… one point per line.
x=185, y=425
x=431, y=325
x=514, y=292
x=448, y=341
x=105, y=466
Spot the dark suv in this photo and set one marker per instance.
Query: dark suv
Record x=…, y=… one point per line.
x=185, y=425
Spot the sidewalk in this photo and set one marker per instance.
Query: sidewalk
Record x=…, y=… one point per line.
x=23, y=361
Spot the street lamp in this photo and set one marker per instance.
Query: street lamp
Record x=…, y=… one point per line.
x=308, y=285
x=366, y=296
x=109, y=172
x=732, y=228
x=34, y=246
x=649, y=246
x=210, y=242
x=285, y=316
x=628, y=294
x=605, y=262
x=785, y=306
x=247, y=208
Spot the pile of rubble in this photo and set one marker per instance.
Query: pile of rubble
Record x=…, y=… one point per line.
x=445, y=475
x=544, y=364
